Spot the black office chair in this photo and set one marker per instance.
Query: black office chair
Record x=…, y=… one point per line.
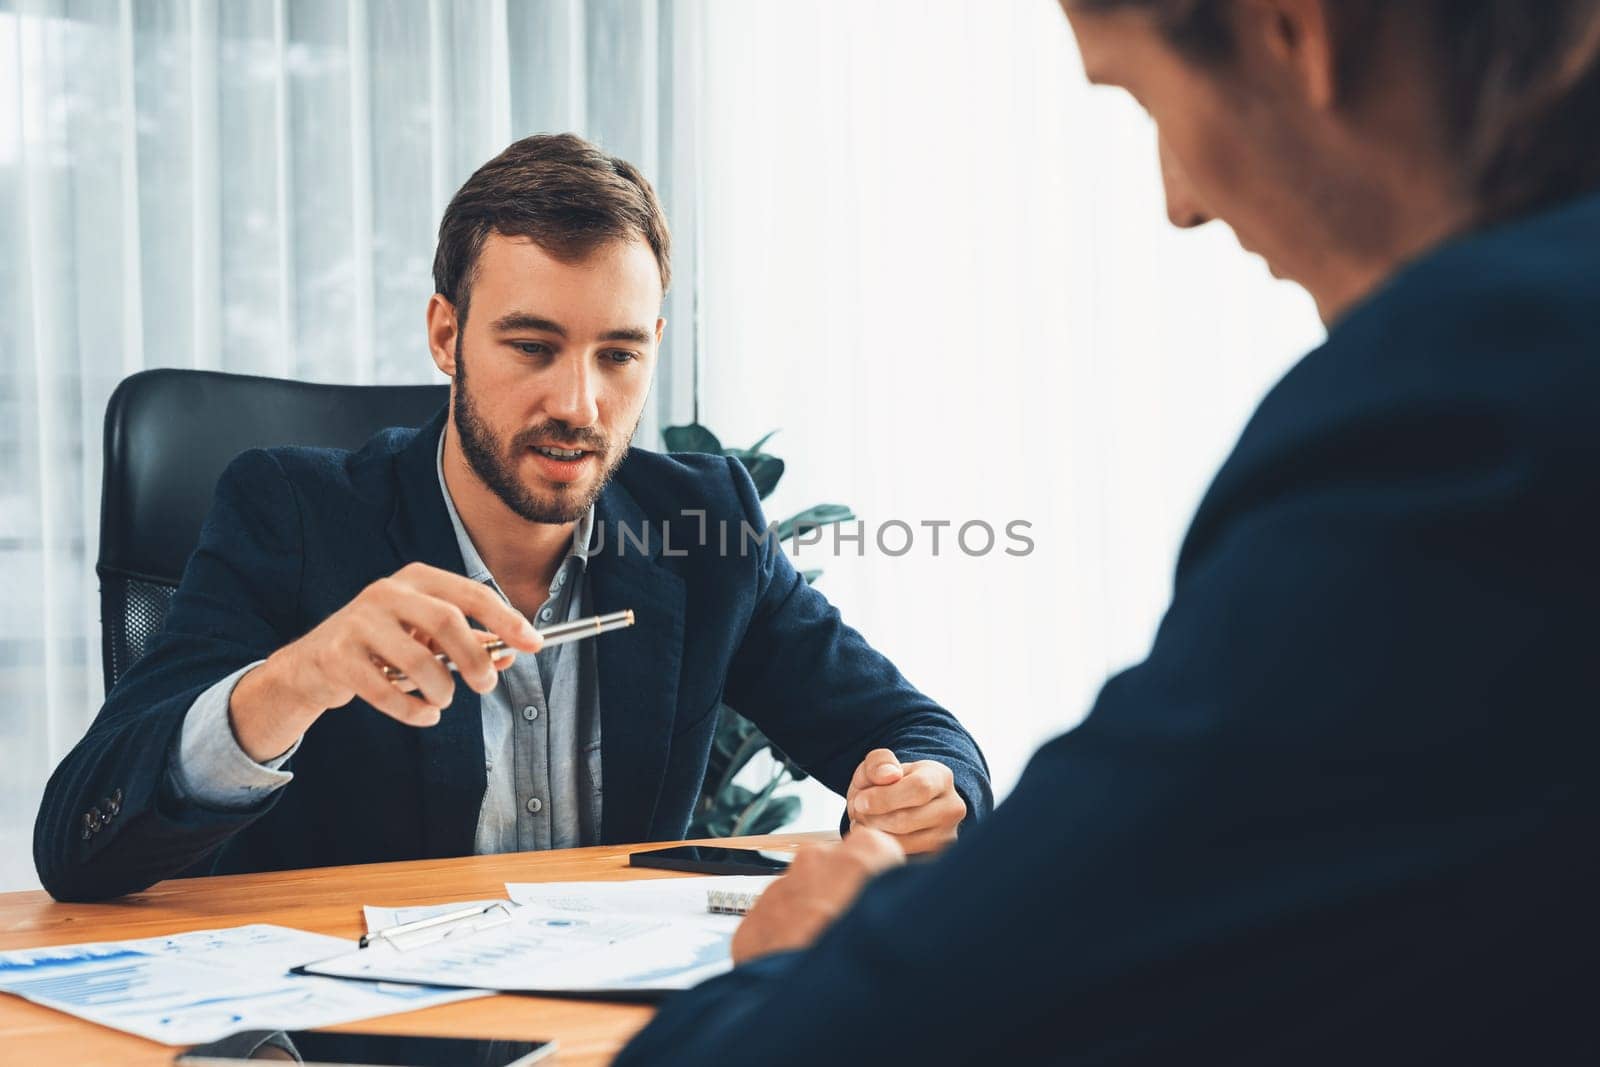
x=169, y=434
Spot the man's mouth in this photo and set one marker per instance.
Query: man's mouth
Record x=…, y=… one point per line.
x=564, y=454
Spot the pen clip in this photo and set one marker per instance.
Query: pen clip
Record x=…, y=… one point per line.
x=435, y=928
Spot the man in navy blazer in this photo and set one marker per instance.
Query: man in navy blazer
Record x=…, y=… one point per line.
x=317, y=570
x=1346, y=810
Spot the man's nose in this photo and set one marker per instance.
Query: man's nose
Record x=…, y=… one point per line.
x=1183, y=207
x=572, y=400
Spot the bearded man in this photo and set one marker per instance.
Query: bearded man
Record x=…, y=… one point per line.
x=519, y=506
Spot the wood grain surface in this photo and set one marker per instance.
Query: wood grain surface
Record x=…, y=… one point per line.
x=327, y=900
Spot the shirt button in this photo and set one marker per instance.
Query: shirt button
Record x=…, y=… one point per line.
x=547, y=614
x=530, y=713
x=535, y=805
x=561, y=579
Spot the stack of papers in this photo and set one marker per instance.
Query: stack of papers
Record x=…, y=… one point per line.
x=204, y=985
x=541, y=951
x=636, y=939
x=641, y=939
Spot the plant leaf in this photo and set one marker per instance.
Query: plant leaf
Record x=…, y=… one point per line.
x=813, y=517
x=755, y=449
x=796, y=772
x=764, y=471
x=779, y=812
x=691, y=438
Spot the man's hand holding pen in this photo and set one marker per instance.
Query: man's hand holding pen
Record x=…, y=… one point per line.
x=398, y=622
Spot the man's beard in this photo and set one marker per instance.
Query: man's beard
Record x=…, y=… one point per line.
x=498, y=471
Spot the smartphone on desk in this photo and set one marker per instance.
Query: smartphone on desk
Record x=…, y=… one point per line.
x=328, y=1048
x=709, y=859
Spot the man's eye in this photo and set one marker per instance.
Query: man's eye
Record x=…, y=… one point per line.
x=531, y=348
x=619, y=355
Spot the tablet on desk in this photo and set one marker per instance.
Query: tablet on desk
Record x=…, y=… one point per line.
x=710, y=859
x=327, y=1048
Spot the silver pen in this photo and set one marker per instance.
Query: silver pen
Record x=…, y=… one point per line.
x=559, y=634
x=465, y=921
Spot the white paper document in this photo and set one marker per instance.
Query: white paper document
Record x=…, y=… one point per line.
x=547, y=950
x=632, y=937
x=683, y=897
x=201, y=986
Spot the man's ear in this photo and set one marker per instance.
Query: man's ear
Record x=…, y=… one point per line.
x=442, y=328
x=1298, y=38
x=661, y=329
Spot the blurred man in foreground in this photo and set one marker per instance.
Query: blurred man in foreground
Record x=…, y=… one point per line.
x=1344, y=812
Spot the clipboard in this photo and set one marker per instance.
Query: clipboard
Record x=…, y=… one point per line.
x=437, y=927
x=510, y=948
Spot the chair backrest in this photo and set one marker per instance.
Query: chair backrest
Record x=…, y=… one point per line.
x=169, y=434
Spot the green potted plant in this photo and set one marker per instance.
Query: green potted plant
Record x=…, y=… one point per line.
x=726, y=809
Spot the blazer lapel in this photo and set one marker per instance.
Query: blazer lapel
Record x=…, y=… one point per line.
x=638, y=667
x=453, y=779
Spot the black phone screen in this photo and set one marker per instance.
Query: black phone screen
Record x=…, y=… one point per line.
x=364, y=1050
x=710, y=859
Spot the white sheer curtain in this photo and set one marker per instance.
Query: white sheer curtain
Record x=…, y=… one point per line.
x=907, y=233
x=253, y=186
x=939, y=261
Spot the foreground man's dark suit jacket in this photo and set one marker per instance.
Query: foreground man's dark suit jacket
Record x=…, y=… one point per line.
x=296, y=533
x=1347, y=811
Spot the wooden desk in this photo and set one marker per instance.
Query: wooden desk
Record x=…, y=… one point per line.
x=327, y=900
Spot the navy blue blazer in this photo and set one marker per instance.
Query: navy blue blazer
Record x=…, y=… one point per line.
x=295, y=533
x=1346, y=811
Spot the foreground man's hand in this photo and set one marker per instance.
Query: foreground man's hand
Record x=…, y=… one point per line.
x=915, y=802
x=401, y=620
x=821, y=883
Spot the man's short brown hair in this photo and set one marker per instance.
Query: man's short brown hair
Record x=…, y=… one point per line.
x=1518, y=81
x=560, y=191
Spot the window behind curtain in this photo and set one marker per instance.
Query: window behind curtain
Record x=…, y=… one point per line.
x=253, y=186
